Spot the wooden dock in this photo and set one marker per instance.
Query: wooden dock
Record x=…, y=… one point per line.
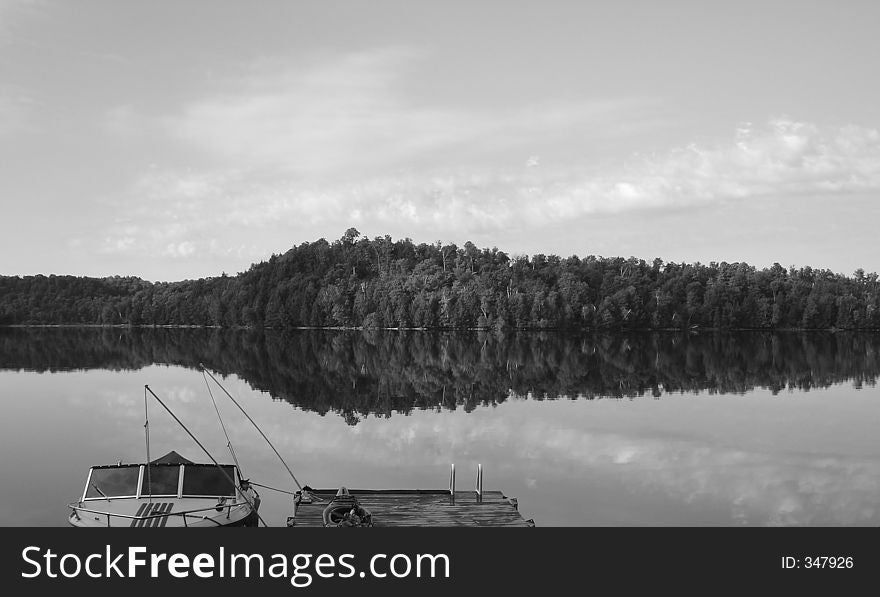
x=416, y=508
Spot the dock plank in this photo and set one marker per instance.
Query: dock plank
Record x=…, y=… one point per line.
x=417, y=508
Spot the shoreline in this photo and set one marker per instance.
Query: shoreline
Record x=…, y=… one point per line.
x=424, y=329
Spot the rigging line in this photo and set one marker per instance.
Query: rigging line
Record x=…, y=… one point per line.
x=273, y=488
x=269, y=487
x=292, y=476
x=205, y=450
x=222, y=425
x=147, y=434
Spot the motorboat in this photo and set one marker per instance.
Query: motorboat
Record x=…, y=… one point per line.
x=171, y=491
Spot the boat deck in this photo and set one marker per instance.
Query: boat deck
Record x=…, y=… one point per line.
x=417, y=508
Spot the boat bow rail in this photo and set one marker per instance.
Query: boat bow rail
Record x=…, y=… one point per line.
x=159, y=516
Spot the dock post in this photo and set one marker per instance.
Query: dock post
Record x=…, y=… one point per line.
x=479, y=485
x=452, y=481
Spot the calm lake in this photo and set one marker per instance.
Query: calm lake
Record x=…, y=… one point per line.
x=636, y=429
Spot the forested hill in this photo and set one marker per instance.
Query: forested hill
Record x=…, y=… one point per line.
x=356, y=281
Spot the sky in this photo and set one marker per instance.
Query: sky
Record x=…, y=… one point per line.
x=177, y=140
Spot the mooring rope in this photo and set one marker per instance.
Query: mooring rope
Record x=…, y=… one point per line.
x=272, y=488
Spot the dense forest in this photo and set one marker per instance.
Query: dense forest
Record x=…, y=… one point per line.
x=383, y=283
x=374, y=372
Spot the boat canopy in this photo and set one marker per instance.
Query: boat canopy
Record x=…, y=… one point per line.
x=172, y=457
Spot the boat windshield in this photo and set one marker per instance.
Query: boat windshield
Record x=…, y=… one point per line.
x=199, y=480
x=161, y=479
x=209, y=480
x=117, y=481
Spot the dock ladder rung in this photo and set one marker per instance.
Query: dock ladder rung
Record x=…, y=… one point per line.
x=479, y=484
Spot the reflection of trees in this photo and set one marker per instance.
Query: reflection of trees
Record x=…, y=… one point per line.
x=355, y=373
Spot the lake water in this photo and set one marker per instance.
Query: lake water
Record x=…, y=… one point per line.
x=636, y=429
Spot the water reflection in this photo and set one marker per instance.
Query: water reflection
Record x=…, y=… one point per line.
x=723, y=444
x=355, y=373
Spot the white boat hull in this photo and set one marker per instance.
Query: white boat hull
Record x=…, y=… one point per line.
x=166, y=512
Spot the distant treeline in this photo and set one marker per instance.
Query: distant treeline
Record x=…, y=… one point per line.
x=382, y=283
x=375, y=372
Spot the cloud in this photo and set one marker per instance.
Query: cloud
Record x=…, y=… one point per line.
x=356, y=114
x=251, y=212
x=785, y=157
x=182, y=249
x=191, y=216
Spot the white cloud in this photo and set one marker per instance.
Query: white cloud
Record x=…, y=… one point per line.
x=182, y=249
x=354, y=115
x=184, y=213
x=118, y=244
x=783, y=158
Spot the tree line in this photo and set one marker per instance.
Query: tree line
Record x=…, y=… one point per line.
x=384, y=283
